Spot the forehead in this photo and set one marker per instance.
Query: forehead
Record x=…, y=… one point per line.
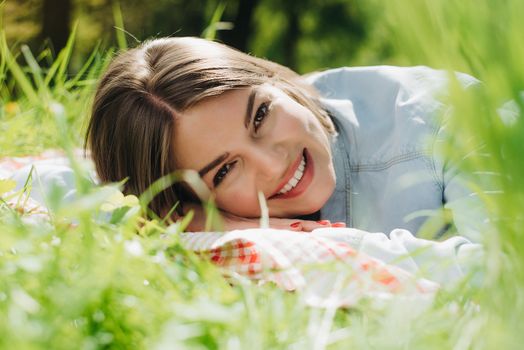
x=203, y=131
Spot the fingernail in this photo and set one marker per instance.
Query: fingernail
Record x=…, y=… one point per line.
x=338, y=224
x=295, y=224
x=323, y=222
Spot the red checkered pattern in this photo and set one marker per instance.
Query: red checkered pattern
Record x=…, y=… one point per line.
x=301, y=260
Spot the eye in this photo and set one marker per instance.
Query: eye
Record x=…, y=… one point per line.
x=260, y=115
x=222, y=173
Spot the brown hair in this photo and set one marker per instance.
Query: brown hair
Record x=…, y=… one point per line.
x=131, y=127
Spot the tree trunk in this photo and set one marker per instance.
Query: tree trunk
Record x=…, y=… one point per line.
x=238, y=37
x=56, y=18
x=292, y=34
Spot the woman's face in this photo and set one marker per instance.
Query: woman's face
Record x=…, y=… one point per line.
x=257, y=139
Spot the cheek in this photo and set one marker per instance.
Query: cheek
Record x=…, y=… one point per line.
x=302, y=118
x=293, y=120
x=241, y=202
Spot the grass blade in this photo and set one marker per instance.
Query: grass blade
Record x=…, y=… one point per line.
x=119, y=26
x=35, y=68
x=18, y=74
x=59, y=66
x=211, y=29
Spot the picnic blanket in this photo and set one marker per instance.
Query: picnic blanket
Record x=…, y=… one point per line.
x=330, y=266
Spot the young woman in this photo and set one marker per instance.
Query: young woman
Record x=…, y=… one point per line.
x=355, y=146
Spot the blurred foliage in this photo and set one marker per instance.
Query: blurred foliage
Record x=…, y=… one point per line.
x=19, y=20
x=322, y=34
x=483, y=38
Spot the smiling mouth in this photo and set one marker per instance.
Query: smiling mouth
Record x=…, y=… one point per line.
x=298, y=181
x=295, y=179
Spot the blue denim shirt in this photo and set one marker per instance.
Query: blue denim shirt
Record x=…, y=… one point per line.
x=387, y=159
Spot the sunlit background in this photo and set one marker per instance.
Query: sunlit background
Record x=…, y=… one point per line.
x=304, y=35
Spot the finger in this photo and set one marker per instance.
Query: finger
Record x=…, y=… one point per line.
x=298, y=225
x=285, y=224
x=312, y=225
x=235, y=223
x=309, y=226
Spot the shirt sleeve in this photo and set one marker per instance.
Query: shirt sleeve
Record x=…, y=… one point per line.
x=462, y=190
x=462, y=198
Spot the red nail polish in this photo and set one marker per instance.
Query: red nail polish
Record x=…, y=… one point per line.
x=295, y=224
x=323, y=222
x=338, y=224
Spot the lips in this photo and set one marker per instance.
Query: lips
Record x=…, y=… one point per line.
x=297, y=178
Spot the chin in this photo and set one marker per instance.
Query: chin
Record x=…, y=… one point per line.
x=298, y=210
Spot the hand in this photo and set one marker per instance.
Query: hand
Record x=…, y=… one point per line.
x=233, y=222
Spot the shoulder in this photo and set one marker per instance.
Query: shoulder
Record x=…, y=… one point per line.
x=358, y=83
x=385, y=111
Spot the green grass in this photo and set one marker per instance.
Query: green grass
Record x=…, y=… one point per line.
x=31, y=95
x=483, y=39
x=86, y=281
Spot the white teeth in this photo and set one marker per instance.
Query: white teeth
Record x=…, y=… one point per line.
x=297, y=176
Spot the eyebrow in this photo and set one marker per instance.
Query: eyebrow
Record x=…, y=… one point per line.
x=249, y=109
x=247, y=119
x=213, y=164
